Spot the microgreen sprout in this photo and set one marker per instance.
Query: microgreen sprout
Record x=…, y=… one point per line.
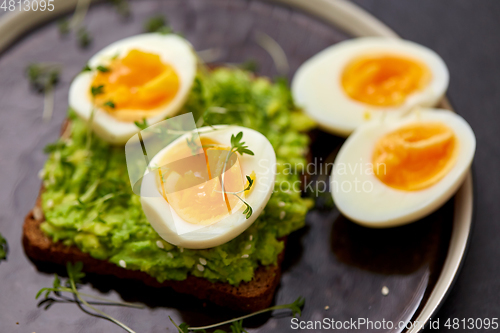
x=249, y=65
x=142, y=125
x=54, y=294
x=110, y=104
x=275, y=51
x=76, y=23
x=157, y=24
x=103, y=69
x=249, y=186
x=97, y=90
x=86, y=68
x=237, y=323
x=192, y=143
x=64, y=26
x=122, y=7
x=43, y=77
x=3, y=248
x=237, y=146
x=75, y=275
x=84, y=37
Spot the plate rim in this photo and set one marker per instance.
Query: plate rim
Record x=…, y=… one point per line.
x=356, y=22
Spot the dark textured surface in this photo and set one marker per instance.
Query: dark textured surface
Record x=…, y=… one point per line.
x=332, y=261
x=466, y=33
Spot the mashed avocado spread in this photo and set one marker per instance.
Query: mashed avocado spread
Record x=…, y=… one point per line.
x=88, y=201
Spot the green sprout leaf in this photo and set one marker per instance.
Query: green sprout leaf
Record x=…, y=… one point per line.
x=250, y=183
x=157, y=24
x=237, y=327
x=3, y=248
x=238, y=146
x=64, y=26
x=122, y=7
x=182, y=328
x=248, y=211
x=103, y=69
x=75, y=271
x=192, y=143
x=110, y=104
x=86, y=68
x=97, y=90
x=250, y=66
x=43, y=76
x=57, y=281
x=297, y=306
x=142, y=124
x=84, y=37
x=75, y=276
x=52, y=147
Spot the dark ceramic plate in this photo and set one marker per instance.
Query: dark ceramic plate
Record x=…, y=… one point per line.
x=338, y=266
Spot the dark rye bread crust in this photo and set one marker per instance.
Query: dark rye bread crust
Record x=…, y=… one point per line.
x=246, y=297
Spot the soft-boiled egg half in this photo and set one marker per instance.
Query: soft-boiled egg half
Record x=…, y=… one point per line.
x=393, y=172
x=190, y=209
x=368, y=78
x=147, y=76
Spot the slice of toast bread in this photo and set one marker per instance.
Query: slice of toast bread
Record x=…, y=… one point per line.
x=246, y=297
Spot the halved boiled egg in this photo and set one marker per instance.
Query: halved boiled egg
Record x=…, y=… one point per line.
x=393, y=172
x=367, y=78
x=190, y=209
x=147, y=76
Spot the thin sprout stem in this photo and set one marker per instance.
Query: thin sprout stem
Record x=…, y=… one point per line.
x=137, y=306
x=200, y=122
x=169, y=131
x=213, y=109
x=238, y=192
x=117, y=322
x=275, y=51
x=173, y=322
x=64, y=299
x=209, y=55
x=218, y=109
x=276, y=307
x=236, y=195
x=81, y=9
x=232, y=192
x=70, y=290
x=180, y=132
x=107, y=197
x=48, y=103
x=224, y=171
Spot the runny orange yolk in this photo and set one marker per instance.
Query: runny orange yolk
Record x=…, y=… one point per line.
x=192, y=184
x=136, y=84
x=385, y=80
x=415, y=156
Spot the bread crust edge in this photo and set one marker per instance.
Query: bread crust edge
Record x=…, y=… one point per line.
x=246, y=297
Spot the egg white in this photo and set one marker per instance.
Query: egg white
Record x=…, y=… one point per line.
x=175, y=230
x=317, y=85
x=172, y=49
x=385, y=206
